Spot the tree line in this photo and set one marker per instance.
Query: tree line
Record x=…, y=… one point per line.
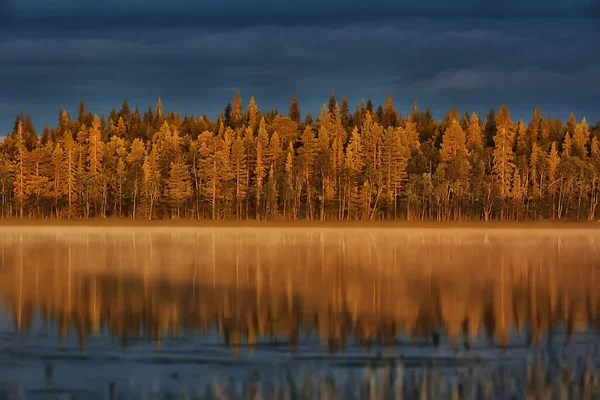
x=372, y=164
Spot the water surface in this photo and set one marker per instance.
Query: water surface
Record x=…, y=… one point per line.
x=170, y=307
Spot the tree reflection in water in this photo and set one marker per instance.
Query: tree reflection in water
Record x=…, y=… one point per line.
x=372, y=285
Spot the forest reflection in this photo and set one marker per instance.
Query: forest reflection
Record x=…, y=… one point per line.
x=258, y=284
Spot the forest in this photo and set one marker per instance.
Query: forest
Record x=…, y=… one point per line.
x=370, y=164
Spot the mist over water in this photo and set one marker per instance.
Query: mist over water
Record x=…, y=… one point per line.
x=174, y=306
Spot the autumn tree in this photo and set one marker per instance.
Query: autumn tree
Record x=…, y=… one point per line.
x=394, y=162
x=247, y=164
x=294, y=112
x=94, y=180
x=240, y=172
x=306, y=161
x=503, y=167
x=20, y=170
x=178, y=187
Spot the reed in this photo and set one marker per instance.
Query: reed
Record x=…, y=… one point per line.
x=536, y=378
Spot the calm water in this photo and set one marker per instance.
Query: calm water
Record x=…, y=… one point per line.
x=160, y=309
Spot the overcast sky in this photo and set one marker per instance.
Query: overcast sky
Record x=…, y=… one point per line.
x=472, y=54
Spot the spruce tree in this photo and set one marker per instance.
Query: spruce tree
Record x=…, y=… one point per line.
x=294, y=112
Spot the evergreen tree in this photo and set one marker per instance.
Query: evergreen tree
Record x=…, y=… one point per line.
x=345, y=116
x=151, y=185
x=333, y=106
x=71, y=157
x=534, y=129
x=237, y=109
x=82, y=114
x=306, y=159
x=20, y=179
x=228, y=115
x=289, y=194
x=490, y=128
x=135, y=160
x=178, y=186
x=37, y=185
x=390, y=117
x=252, y=113
x=240, y=169
x=580, y=139
x=474, y=134
x=170, y=164
x=395, y=161
x=504, y=166
x=125, y=112
x=59, y=167
x=308, y=120
x=454, y=153
x=294, y=112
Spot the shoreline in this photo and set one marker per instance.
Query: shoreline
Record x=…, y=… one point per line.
x=297, y=224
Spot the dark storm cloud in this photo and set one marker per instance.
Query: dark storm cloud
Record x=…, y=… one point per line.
x=446, y=59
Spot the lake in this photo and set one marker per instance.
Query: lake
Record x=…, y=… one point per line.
x=89, y=312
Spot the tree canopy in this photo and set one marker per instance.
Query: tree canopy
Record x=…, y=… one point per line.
x=374, y=164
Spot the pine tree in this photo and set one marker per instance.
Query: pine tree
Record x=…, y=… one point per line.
x=306, y=159
x=289, y=185
x=294, y=112
x=59, y=166
x=553, y=163
x=345, y=116
x=240, y=169
x=71, y=157
x=522, y=140
x=178, y=186
x=158, y=118
x=274, y=152
x=125, y=112
x=534, y=131
x=503, y=167
x=211, y=170
x=465, y=122
x=121, y=128
x=474, y=134
x=94, y=176
x=37, y=184
x=20, y=173
x=455, y=168
x=567, y=146
x=454, y=154
x=536, y=170
x=323, y=168
x=353, y=163
x=410, y=136
x=308, y=120
x=571, y=125
x=490, y=129
x=580, y=139
x=333, y=106
x=390, y=117
x=286, y=129
x=151, y=184
x=260, y=166
x=272, y=194
x=135, y=160
x=64, y=122
x=6, y=182
x=82, y=114
x=252, y=113
x=395, y=161
x=237, y=109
